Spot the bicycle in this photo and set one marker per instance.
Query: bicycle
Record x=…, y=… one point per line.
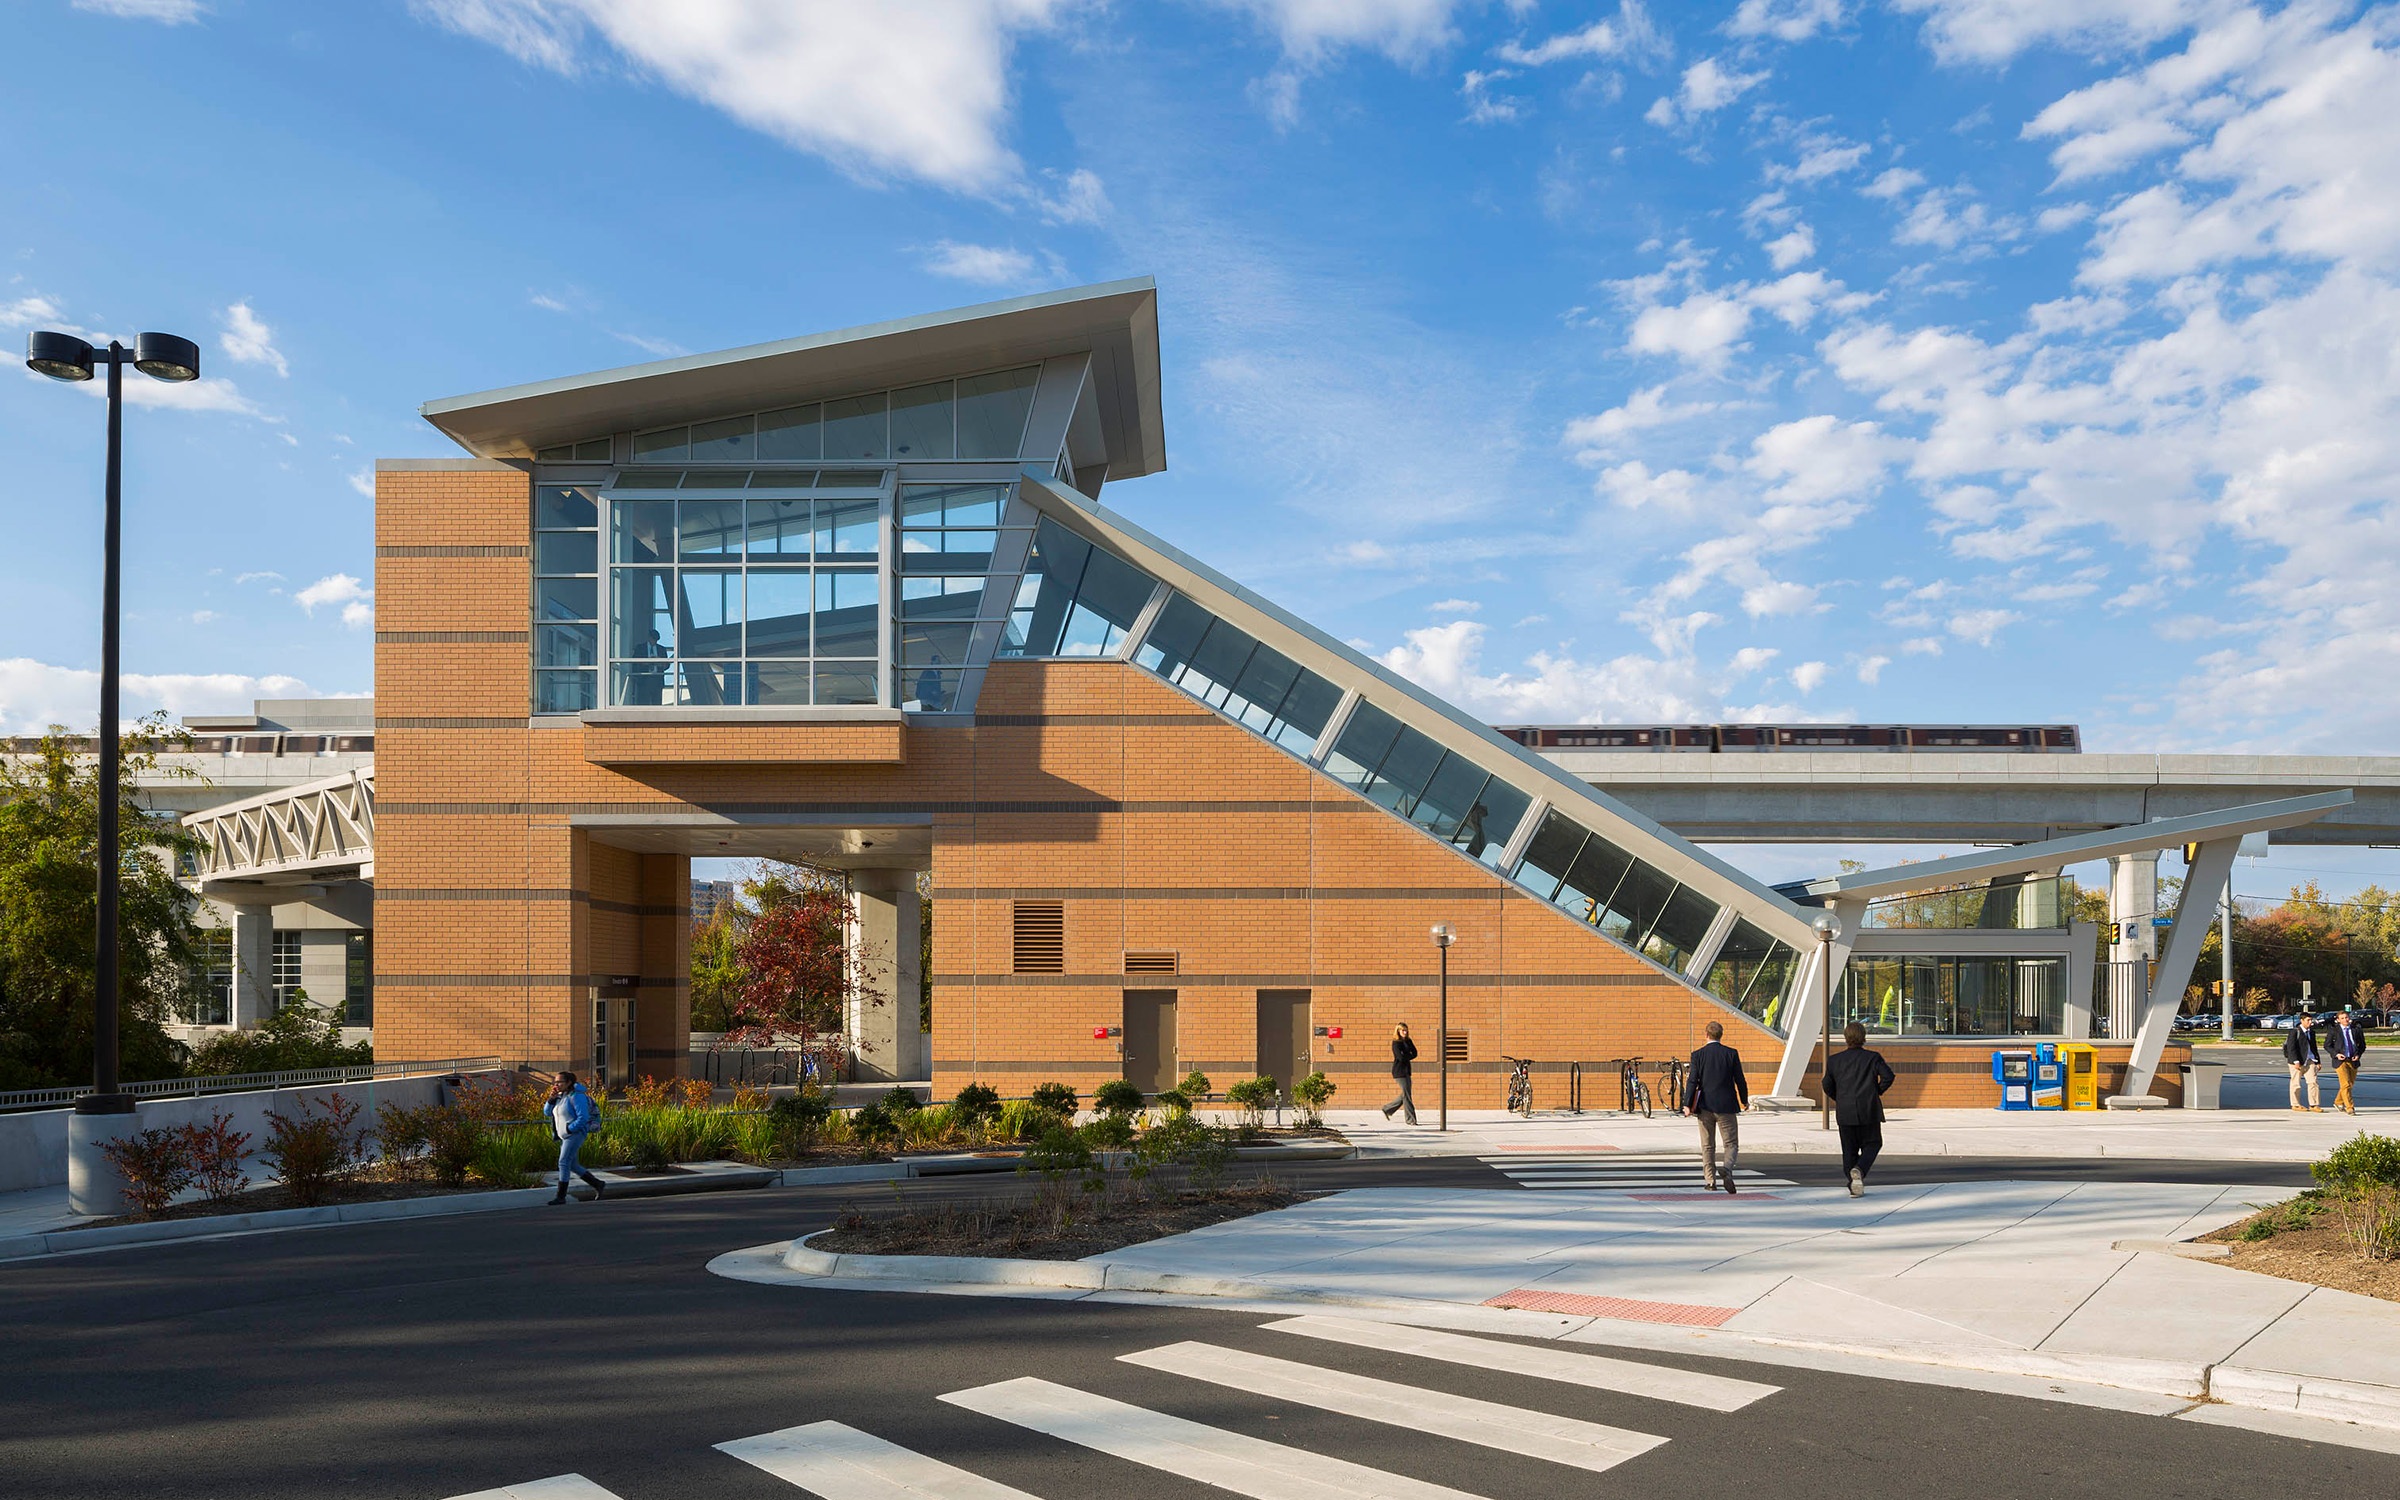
x=1671, y=1080
x=1632, y=1093
x=1520, y=1085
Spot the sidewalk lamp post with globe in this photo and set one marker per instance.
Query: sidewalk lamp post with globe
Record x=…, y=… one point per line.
x=1828, y=928
x=107, y=1111
x=1443, y=936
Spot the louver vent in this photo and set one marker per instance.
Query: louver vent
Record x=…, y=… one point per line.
x=1149, y=963
x=1041, y=934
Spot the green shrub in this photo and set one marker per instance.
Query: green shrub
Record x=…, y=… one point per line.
x=901, y=1100
x=1023, y=1120
x=311, y=1150
x=1195, y=1086
x=497, y=1163
x=1054, y=1098
x=1173, y=1102
x=156, y=1165
x=453, y=1139
x=974, y=1104
x=756, y=1139
x=1312, y=1094
x=1253, y=1096
x=927, y=1127
x=401, y=1136
x=804, y=1113
x=1111, y=1132
x=1117, y=1097
x=1183, y=1145
x=298, y=1035
x=2363, y=1161
x=600, y=1149
x=873, y=1124
x=216, y=1151
x=1061, y=1154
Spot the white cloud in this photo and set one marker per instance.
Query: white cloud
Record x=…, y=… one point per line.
x=1788, y=250
x=917, y=91
x=1981, y=625
x=655, y=347
x=1751, y=660
x=548, y=303
x=247, y=341
x=1923, y=645
x=208, y=393
x=1820, y=458
x=242, y=578
x=1708, y=86
x=205, y=617
x=356, y=599
x=1870, y=671
x=1077, y=197
x=1993, y=31
x=1629, y=34
x=363, y=481
x=166, y=12
x=1454, y=607
x=35, y=694
x=1892, y=182
x=1646, y=408
x=1784, y=20
x=1632, y=485
x=24, y=312
x=1485, y=107
x=1556, y=687
x=1809, y=676
x=1702, y=328
x=989, y=265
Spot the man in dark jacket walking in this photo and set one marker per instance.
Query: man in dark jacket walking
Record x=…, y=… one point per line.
x=1404, y=1053
x=2346, y=1043
x=2300, y=1056
x=1716, y=1092
x=1855, y=1079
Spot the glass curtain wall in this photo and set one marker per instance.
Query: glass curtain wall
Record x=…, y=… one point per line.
x=745, y=587
x=948, y=533
x=1252, y=684
x=1586, y=876
x=1953, y=996
x=212, y=979
x=1444, y=793
x=1752, y=972
x=1075, y=599
x=975, y=417
x=566, y=598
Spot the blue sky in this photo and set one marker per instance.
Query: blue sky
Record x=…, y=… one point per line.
x=1914, y=360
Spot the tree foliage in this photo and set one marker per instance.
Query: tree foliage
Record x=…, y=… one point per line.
x=797, y=977
x=301, y=1034
x=49, y=916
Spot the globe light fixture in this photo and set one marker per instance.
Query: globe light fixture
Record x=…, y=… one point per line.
x=1443, y=936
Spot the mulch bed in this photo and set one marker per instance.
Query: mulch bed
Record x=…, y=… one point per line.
x=275, y=1195
x=1036, y=1229
x=2316, y=1254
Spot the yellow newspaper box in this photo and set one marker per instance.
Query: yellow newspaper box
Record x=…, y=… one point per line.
x=2083, y=1074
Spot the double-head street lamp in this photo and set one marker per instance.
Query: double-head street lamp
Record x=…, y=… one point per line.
x=1443, y=936
x=62, y=356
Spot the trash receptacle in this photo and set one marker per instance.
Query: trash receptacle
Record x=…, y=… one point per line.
x=2082, y=1061
x=2200, y=1081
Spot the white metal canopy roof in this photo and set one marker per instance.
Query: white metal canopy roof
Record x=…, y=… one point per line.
x=1115, y=322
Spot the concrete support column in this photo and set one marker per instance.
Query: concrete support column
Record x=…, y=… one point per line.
x=885, y=940
x=253, y=963
x=2132, y=901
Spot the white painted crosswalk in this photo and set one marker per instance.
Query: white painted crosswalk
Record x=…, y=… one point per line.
x=836, y=1461
x=1618, y=1172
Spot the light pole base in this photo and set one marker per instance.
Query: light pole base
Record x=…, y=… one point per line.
x=94, y=1185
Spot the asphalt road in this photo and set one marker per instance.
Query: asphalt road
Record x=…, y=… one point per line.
x=440, y=1357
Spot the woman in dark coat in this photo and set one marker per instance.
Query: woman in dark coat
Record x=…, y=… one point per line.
x=1855, y=1079
x=1404, y=1052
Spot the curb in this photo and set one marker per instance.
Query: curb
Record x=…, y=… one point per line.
x=2232, y=1385
x=221, y=1226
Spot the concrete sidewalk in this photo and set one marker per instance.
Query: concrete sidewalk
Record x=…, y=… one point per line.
x=2151, y=1135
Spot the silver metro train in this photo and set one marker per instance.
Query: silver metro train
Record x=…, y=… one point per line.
x=2010, y=739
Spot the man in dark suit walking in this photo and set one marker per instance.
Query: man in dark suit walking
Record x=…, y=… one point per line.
x=1716, y=1092
x=1855, y=1079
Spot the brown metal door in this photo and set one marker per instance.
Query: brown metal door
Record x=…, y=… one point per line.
x=1283, y=1037
x=1150, y=1040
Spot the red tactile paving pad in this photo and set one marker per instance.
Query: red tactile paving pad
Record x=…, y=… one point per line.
x=1702, y=1196
x=1688, y=1314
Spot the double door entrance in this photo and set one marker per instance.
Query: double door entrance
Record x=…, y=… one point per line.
x=1153, y=1060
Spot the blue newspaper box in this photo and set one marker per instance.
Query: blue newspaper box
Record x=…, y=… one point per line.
x=2049, y=1077
x=2013, y=1071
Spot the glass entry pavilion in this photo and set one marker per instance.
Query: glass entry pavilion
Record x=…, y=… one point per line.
x=853, y=599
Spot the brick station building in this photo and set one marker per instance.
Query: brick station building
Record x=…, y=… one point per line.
x=855, y=599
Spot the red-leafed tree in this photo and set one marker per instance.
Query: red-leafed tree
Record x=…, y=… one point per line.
x=797, y=977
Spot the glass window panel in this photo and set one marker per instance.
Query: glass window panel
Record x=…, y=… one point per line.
x=640, y=684
x=1258, y=691
x=711, y=624
x=1051, y=569
x=1174, y=636
x=715, y=479
x=780, y=603
x=646, y=479
x=642, y=623
x=851, y=479
x=1986, y=996
x=1219, y=659
x=1307, y=709
x=566, y=552
x=857, y=428
x=934, y=644
x=778, y=682
x=1107, y=599
x=849, y=528
x=665, y=443
x=782, y=479
x=992, y=410
x=1680, y=927
x=1599, y=868
x=710, y=529
x=592, y=450
x=794, y=432
x=1406, y=769
x=1453, y=791
x=941, y=598
x=778, y=528
x=565, y=507
x=709, y=684
x=931, y=691
x=969, y=543
x=846, y=682
x=846, y=614
x=921, y=506
x=1549, y=854
x=2041, y=996
x=567, y=599
x=921, y=424
x=1483, y=833
x=564, y=453
x=1641, y=899
x=566, y=646
x=730, y=437
x=642, y=531
x=1365, y=740
x=564, y=692
x=974, y=504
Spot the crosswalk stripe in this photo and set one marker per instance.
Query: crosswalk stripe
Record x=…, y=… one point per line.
x=840, y=1462
x=1229, y=1460
x=1561, y=1440
x=557, y=1487
x=1597, y=1371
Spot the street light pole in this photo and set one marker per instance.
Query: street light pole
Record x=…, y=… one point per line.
x=1443, y=936
x=2225, y=963
x=62, y=356
x=1828, y=928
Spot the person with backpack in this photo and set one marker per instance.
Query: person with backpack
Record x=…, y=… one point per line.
x=572, y=1116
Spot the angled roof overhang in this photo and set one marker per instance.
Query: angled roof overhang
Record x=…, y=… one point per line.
x=2052, y=854
x=1115, y=322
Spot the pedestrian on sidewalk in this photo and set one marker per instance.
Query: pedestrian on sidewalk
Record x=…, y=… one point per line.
x=572, y=1116
x=1716, y=1092
x=1404, y=1053
x=1855, y=1079
x=2346, y=1044
x=2300, y=1055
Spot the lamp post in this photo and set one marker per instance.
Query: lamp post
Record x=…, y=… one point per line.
x=1443, y=936
x=105, y=1112
x=1828, y=928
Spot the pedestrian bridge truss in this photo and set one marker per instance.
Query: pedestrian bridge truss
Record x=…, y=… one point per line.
x=316, y=829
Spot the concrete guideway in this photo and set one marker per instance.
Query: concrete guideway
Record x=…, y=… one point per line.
x=2011, y=1279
